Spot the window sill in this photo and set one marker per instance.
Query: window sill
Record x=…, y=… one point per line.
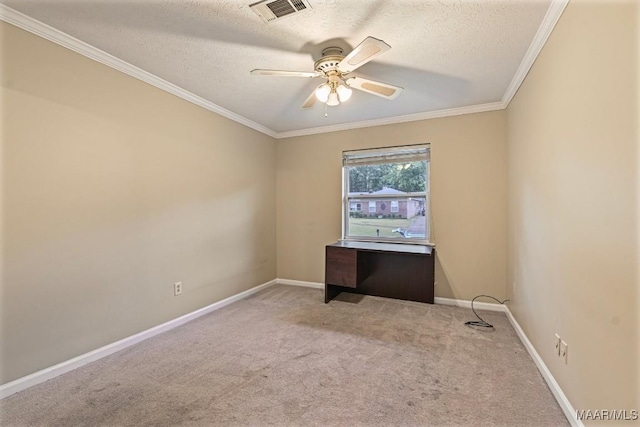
x=394, y=241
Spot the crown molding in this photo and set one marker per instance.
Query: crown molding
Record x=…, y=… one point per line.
x=480, y=108
x=544, y=31
x=45, y=31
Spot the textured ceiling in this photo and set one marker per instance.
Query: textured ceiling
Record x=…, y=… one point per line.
x=446, y=54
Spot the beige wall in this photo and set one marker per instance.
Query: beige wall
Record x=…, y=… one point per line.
x=112, y=191
x=637, y=47
x=573, y=199
x=468, y=194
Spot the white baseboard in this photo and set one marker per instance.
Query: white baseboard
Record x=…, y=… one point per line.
x=565, y=405
x=437, y=300
x=53, y=371
x=488, y=306
x=314, y=285
x=71, y=364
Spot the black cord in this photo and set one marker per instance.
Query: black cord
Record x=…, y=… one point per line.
x=481, y=322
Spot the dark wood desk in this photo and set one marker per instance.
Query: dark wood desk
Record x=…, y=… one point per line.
x=389, y=270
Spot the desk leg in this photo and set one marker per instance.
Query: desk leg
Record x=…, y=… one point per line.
x=330, y=292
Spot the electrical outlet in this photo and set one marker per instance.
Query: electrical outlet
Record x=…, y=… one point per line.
x=557, y=344
x=564, y=351
x=177, y=288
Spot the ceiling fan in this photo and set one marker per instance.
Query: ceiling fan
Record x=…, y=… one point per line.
x=335, y=67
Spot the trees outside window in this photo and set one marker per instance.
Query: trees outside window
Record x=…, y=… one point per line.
x=394, y=184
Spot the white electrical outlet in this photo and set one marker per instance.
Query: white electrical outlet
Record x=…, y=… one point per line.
x=557, y=344
x=177, y=288
x=564, y=351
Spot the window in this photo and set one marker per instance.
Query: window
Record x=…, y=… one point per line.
x=394, y=184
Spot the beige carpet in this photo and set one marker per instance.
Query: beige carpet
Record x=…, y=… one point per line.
x=283, y=357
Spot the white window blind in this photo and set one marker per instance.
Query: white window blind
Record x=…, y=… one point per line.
x=379, y=156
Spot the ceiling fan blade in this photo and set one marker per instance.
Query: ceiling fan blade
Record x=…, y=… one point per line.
x=363, y=53
x=308, y=103
x=284, y=73
x=383, y=90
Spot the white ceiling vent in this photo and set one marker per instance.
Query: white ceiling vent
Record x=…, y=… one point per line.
x=270, y=10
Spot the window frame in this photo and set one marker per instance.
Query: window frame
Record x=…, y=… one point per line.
x=346, y=200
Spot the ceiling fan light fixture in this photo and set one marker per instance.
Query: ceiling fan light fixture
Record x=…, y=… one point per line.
x=344, y=93
x=322, y=92
x=333, y=100
x=335, y=68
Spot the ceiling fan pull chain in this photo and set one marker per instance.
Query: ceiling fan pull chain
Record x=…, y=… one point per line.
x=326, y=113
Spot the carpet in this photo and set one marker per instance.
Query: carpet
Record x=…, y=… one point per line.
x=283, y=357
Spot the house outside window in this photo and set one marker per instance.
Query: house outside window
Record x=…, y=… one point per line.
x=394, y=184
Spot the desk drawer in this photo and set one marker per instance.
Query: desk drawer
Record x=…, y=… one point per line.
x=342, y=254
x=341, y=267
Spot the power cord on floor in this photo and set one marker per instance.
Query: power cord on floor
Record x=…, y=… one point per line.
x=481, y=322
